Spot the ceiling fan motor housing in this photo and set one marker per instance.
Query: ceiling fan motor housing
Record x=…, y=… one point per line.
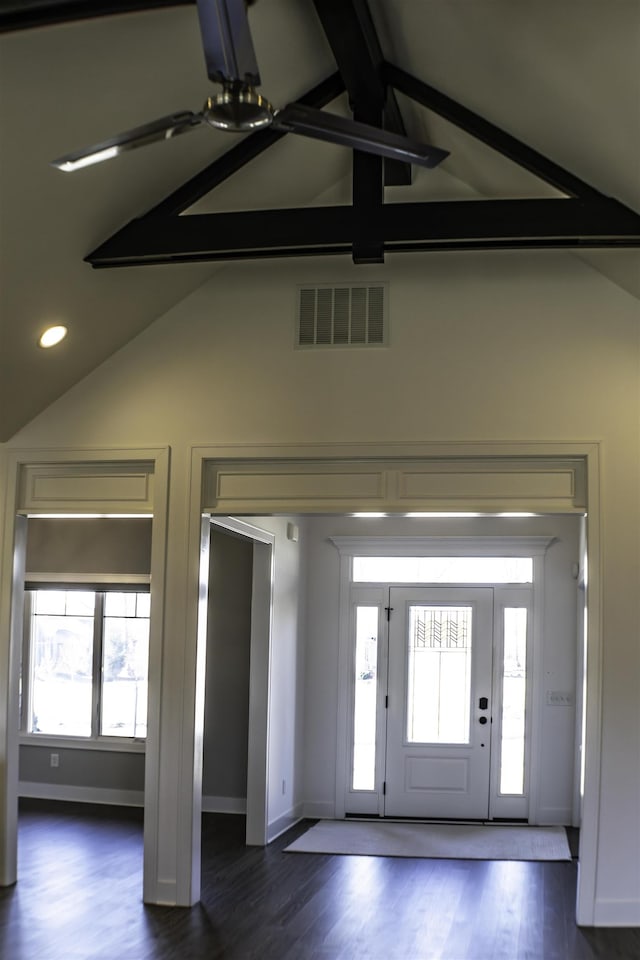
x=238, y=108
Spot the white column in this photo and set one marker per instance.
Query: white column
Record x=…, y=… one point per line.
x=12, y=565
x=173, y=773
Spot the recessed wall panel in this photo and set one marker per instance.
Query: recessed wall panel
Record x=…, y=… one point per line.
x=298, y=486
x=105, y=488
x=554, y=485
x=427, y=773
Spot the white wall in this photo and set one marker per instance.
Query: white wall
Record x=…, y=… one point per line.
x=484, y=347
x=286, y=701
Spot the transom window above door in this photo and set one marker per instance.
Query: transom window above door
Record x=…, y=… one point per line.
x=442, y=570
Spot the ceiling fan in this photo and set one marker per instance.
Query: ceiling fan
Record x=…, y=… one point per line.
x=231, y=62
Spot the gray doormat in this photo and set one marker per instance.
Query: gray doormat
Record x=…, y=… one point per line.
x=436, y=841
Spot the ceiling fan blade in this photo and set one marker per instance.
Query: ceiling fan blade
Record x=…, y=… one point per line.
x=298, y=118
x=226, y=38
x=163, y=129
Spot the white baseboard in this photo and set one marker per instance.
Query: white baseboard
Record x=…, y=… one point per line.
x=319, y=810
x=554, y=817
x=616, y=913
x=224, y=804
x=119, y=798
x=63, y=791
x=288, y=819
x=163, y=894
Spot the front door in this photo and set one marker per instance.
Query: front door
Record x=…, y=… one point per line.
x=438, y=747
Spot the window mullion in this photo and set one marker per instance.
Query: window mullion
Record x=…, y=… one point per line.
x=96, y=678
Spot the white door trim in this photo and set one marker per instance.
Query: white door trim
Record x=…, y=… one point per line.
x=81, y=481
x=529, y=597
x=523, y=456
x=514, y=546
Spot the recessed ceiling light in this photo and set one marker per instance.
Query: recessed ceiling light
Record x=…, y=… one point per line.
x=52, y=335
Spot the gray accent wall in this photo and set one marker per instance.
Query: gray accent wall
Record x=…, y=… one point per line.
x=120, y=546
x=108, y=770
x=105, y=545
x=226, y=712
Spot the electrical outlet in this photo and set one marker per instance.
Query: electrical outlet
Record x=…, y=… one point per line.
x=559, y=698
x=55, y=759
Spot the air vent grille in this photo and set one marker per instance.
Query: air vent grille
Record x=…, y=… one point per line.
x=342, y=316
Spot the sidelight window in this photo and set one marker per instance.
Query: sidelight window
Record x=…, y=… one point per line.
x=365, y=698
x=514, y=696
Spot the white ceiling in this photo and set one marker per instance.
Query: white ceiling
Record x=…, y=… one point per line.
x=561, y=76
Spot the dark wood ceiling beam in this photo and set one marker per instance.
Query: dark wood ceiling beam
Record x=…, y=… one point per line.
x=356, y=48
x=367, y=199
x=450, y=225
x=354, y=42
x=488, y=133
x=241, y=153
x=25, y=14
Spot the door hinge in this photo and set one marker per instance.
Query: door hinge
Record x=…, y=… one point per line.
x=386, y=702
x=384, y=788
x=388, y=609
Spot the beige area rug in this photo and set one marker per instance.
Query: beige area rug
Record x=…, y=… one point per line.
x=436, y=841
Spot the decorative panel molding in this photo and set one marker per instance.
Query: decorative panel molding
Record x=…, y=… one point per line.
x=89, y=487
x=299, y=487
x=491, y=485
x=522, y=485
x=428, y=773
x=427, y=546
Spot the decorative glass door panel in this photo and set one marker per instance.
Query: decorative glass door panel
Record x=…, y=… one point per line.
x=439, y=674
x=438, y=717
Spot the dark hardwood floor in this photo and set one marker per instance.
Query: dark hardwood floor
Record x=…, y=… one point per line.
x=79, y=898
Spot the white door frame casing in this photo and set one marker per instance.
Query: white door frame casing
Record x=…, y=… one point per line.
x=491, y=478
x=480, y=546
x=82, y=482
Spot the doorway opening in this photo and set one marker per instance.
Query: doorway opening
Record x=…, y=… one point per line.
x=84, y=658
x=446, y=708
x=238, y=665
x=226, y=700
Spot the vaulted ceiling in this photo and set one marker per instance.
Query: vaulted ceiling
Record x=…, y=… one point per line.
x=560, y=79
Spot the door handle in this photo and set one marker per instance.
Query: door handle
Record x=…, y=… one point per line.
x=483, y=703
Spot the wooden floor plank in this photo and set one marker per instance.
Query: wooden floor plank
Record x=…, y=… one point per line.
x=79, y=898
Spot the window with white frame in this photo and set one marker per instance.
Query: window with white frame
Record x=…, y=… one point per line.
x=85, y=663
